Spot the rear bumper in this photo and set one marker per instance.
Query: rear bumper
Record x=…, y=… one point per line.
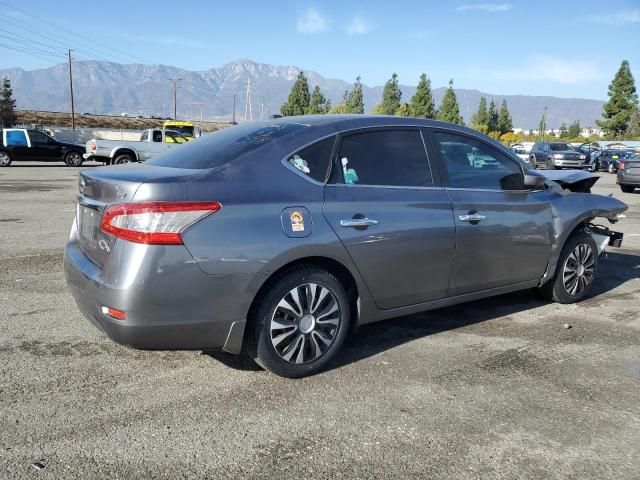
x=170, y=303
x=625, y=178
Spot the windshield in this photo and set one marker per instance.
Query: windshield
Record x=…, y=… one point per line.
x=223, y=146
x=186, y=131
x=560, y=147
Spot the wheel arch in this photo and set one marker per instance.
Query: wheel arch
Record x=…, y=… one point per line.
x=123, y=151
x=331, y=265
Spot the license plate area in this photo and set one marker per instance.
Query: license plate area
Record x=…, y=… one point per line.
x=89, y=224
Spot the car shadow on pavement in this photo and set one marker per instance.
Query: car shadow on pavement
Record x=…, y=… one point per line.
x=372, y=339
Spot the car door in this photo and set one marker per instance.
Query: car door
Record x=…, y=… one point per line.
x=43, y=147
x=503, y=231
x=386, y=205
x=17, y=144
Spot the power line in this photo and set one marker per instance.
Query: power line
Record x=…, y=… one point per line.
x=102, y=46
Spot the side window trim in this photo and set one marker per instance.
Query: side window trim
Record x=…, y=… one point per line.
x=446, y=182
x=336, y=166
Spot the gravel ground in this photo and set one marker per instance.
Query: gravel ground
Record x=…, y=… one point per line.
x=496, y=388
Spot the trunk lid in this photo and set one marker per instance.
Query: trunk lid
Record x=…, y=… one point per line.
x=101, y=187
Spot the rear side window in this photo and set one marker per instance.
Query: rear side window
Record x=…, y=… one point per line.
x=215, y=149
x=16, y=138
x=314, y=160
x=384, y=157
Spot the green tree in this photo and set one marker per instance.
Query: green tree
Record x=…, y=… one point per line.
x=633, y=130
x=422, y=104
x=542, y=126
x=574, y=129
x=564, y=132
x=492, y=117
x=7, y=105
x=340, y=109
x=505, y=124
x=479, y=119
x=353, y=98
x=623, y=101
x=449, y=110
x=404, y=110
x=318, y=103
x=391, y=96
x=298, y=101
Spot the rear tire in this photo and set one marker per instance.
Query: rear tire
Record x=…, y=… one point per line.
x=533, y=163
x=5, y=159
x=611, y=168
x=627, y=188
x=575, y=271
x=73, y=159
x=299, y=324
x=122, y=159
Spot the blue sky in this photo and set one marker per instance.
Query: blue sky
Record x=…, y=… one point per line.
x=567, y=49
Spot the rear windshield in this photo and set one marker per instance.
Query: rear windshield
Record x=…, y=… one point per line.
x=223, y=146
x=560, y=147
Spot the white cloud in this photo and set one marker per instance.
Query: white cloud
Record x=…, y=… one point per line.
x=614, y=18
x=541, y=68
x=311, y=21
x=358, y=26
x=485, y=7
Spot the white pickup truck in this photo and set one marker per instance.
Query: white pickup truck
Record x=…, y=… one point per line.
x=114, y=152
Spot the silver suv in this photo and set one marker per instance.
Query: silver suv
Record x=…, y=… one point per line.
x=556, y=155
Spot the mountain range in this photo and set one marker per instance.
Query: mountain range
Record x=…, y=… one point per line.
x=112, y=88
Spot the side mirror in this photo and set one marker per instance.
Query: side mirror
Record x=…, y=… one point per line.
x=532, y=180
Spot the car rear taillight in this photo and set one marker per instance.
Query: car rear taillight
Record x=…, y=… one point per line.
x=154, y=223
x=621, y=166
x=113, y=313
x=94, y=147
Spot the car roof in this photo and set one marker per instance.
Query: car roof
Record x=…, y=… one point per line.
x=355, y=121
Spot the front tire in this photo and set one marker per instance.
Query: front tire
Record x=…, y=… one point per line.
x=300, y=323
x=627, y=188
x=533, y=163
x=575, y=270
x=73, y=159
x=5, y=159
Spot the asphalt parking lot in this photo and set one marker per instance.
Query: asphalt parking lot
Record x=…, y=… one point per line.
x=498, y=388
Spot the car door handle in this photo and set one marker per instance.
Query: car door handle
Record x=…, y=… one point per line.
x=472, y=217
x=358, y=222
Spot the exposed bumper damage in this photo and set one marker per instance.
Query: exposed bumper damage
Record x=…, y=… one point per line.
x=578, y=181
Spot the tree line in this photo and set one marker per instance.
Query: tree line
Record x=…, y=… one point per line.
x=620, y=117
x=421, y=105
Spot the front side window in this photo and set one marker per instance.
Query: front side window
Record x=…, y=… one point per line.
x=314, y=160
x=384, y=157
x=15, y=138
x=473, y=164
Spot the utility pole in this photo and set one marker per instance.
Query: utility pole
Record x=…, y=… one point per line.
x=247, y=103
x=233, y=119
x=262, y=107
x=73, y=113
x=175, y=97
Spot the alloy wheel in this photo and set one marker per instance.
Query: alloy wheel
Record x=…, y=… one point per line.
x=74, y=159
x=4, y=159
x=578, y=270
x=305, y=323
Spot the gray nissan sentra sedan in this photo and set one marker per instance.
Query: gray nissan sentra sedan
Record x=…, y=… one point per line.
x=278, y=238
